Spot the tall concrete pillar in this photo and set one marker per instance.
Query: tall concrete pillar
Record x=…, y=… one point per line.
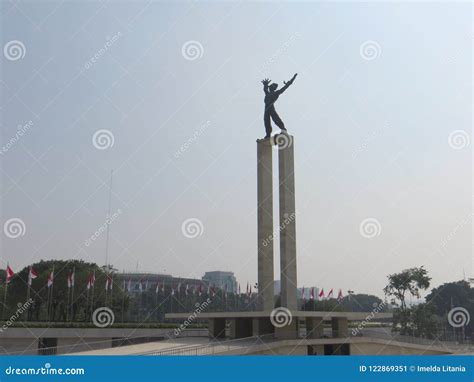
x=265, y=223
x=286, y=166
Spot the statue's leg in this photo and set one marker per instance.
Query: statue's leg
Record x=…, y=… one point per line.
x=276, y=118
x=268, y=124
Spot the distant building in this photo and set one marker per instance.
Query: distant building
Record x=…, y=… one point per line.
x=299, y=291
x=149, y=281
x=221, y=279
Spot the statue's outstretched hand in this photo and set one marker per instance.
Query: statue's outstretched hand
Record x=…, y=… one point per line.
x=266, y=81
x=292, y=79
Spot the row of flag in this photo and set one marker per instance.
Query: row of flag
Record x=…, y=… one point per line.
x=144, y=285
x=321, y=295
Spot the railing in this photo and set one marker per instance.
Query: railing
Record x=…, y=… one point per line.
x=214, y=347
x=388, y=335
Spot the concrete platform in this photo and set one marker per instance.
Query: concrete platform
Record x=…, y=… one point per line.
x=282, y=323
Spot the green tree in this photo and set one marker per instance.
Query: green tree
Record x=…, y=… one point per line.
x=410, y=280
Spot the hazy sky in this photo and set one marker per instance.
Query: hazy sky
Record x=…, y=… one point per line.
x=380, y=111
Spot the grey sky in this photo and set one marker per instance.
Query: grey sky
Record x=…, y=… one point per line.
x=381, y=87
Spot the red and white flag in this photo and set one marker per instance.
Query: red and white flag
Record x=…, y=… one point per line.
x=186, y=291
x=10, y=274
x=172, y=291
x=32, y=274
x=321, y=294
x=91, y=281
x=340, y=297
x=200, y=290
x=51, y=279
x=140, y=286
x=330, y=293
x=179, y=288
x=70, y=279
x=312, y=294
x=157, y=288
x=302, y=293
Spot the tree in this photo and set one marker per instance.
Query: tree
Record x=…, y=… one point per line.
x=410, y=280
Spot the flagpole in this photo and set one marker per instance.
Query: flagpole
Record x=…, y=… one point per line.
x=92, y=297
x=73, y=282
x=28, y=294
x=5, y=294
x=52, y=289
x=68, y=295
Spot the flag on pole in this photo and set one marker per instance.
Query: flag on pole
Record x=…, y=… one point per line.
x=304, y=296
x=10, y=274
x=140, y=286
x=186, y=291
x=157, y=288
x=91, y=281
x=312, y=294
x=163, y=287
x=172, y=290
x=340, y=297
x=50, y=279
x=179, y=288
x=32, y=274
x=213, y=291
x=239, y=289
x=200, y=290
x=70, y=279
x=321, y=294
x=129, y=287
x=330, y=293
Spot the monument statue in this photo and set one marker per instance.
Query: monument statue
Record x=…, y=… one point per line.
x=271, y=95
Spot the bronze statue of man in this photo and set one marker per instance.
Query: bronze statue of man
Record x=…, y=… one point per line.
x=271, y=95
